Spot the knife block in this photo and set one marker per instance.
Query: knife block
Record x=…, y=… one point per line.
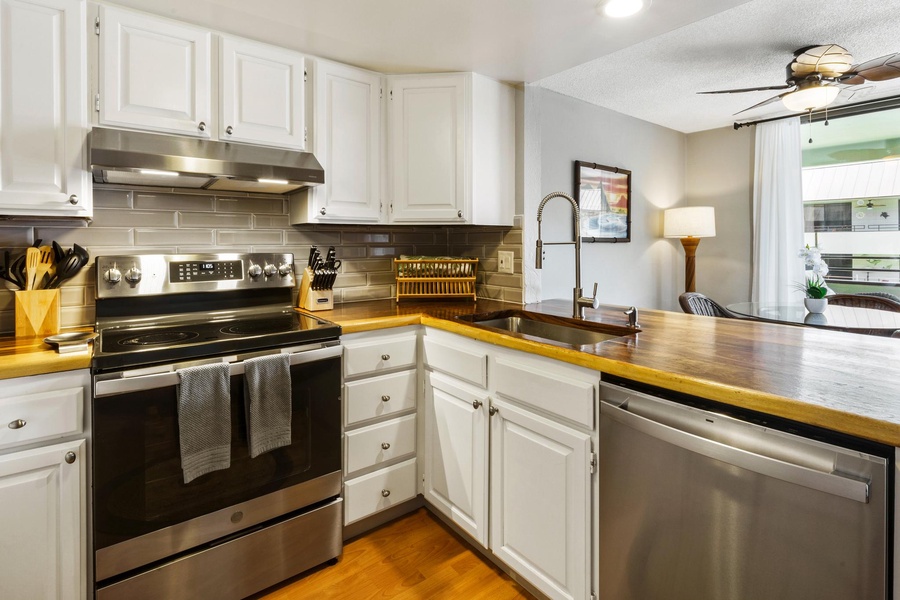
x=37, y=313
x=310, y=299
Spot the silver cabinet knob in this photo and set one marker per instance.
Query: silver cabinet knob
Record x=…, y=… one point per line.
x=322, y=211
x=385, y=446
x=385, y=398
x=493, y=410
x=385, y=357
x=476, y=404
x=201, y=126
x=270, y=270
x=70, y=457
x=385, y=493
x=73, y=199
x=229, y=130
x=17, y=424
x=459, y=214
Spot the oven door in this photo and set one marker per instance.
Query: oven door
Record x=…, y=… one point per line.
x=143, y=510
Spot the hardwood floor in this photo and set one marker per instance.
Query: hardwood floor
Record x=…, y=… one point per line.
x=415, y=557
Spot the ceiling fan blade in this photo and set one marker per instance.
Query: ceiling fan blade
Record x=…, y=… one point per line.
x=756, y=89
x=764, y=102
x=829, y=60
x=877, y=69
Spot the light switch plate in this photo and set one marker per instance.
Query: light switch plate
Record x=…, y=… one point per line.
x=505, y=262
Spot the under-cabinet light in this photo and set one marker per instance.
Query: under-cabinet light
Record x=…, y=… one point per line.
x=161, y=173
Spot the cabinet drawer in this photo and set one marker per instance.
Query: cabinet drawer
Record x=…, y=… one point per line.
x=379, y=397
x=36, y=417
x=380, y=443
x=562, y=392
x=377, y=491
x=382, y=354
x=462, y=363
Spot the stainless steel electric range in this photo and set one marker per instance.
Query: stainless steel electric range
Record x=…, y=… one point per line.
x=231, y=532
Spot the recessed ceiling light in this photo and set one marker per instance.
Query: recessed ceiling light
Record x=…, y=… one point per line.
x=618, y=9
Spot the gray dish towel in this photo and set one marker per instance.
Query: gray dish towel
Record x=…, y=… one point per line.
x=204, y=419
x=267, y=398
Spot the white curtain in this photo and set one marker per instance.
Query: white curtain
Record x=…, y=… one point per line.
x=777, y=213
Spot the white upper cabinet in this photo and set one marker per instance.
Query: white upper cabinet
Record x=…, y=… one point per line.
x=43, y=93
x=154, y=74
x=261, y=92
x=348, y=113
x=452, y=149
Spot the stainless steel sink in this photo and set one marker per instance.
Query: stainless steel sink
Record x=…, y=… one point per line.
x=548, y=327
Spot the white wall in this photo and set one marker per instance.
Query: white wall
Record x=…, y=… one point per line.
x=719, y=173
x=647, y=272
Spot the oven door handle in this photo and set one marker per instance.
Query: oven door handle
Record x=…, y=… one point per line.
x=126, y=384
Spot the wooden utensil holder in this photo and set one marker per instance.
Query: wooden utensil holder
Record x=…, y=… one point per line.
x=310, y=299
x=37, y=313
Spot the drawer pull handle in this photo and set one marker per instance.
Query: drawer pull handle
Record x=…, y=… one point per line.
x=385, y=398
x=17, y=424
x=201, y=126
x=385, y=357
x=493, y=410
x=385, y=446
x=476, y=404
x=70, y=457
x=385, y=493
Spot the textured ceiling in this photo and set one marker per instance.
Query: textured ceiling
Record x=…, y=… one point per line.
x=746, y=46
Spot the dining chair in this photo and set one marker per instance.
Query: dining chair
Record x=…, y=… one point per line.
x=864, y=301
x=893, y=297
x=695, y=303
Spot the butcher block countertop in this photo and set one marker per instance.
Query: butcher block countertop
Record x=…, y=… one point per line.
x=20, y=357
x=842, y=381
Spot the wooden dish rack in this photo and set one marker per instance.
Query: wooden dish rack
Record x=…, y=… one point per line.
x=436, y=277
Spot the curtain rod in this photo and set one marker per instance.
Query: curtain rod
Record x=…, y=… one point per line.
x=847, y=110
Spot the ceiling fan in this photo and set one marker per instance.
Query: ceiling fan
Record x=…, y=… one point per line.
x=818, y=74
x=868, y=204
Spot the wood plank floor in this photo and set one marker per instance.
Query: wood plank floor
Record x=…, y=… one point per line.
x=412, y=558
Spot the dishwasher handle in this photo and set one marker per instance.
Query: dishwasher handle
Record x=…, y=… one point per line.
x=830, y=483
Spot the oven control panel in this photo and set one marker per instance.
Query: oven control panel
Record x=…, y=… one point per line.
x=157, y=274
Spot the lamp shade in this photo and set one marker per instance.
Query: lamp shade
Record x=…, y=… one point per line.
x=811, y=97
x=690, y=221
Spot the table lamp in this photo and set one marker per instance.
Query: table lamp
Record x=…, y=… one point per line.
x=689, y=224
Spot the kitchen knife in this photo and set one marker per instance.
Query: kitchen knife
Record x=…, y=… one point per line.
x=312, y=253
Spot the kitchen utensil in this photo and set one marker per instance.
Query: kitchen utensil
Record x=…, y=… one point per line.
x=17, y=271
x=58, y=253
x=70, y=267
x=312, y=254
x=71, y=342
x=32, y=258
x=45, y=264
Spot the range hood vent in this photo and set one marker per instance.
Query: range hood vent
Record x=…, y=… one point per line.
x=134, y=158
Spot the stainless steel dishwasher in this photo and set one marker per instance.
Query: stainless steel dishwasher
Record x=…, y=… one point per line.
x=697, y=505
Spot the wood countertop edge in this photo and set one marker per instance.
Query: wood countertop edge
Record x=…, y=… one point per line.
x=43, y=363
x=772, y=404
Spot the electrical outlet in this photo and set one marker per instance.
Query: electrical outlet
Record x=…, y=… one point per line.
x=505, y=262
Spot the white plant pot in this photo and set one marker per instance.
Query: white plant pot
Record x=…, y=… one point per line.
x=816, y=305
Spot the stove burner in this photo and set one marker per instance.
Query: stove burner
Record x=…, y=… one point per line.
x=258, y=327
x=150, y=339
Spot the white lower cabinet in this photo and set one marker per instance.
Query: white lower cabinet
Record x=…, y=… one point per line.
x=380, y=397
x=43, y=486
x=541, y=500
x=455, y=453
x=522, y=445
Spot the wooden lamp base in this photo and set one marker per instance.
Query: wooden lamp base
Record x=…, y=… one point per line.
x=690, y=250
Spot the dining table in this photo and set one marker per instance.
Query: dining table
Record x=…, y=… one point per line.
x=842, y=318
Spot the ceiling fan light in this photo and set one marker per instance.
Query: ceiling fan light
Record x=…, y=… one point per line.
x=813, y=97
x=619, y=9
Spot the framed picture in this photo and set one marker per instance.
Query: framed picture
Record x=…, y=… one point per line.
x=604, y=197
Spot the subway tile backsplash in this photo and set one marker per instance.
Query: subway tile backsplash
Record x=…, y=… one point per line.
x=150, y=220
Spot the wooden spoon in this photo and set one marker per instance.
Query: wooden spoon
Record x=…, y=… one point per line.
x=32, y=258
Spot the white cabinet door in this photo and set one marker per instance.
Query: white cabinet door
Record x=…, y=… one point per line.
x=155, y=74
x=42, y=521
x=455, y=453
x=429, y=145
x=540, y=500
x=261, y=94
x=43, y=80
x=348, y=143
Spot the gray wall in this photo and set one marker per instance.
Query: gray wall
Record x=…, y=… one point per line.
x=719, y=173
x=648, y=271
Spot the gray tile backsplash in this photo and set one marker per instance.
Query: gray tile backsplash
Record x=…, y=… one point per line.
x=152, y=220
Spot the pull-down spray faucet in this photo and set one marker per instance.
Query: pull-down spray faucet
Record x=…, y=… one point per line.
x=579, y=302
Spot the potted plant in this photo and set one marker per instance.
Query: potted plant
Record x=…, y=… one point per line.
x=815, y=291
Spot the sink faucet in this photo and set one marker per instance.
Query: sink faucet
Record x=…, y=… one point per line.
x=579, y=302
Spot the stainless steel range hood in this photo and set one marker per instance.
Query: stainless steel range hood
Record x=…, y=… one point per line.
x=135, y=158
